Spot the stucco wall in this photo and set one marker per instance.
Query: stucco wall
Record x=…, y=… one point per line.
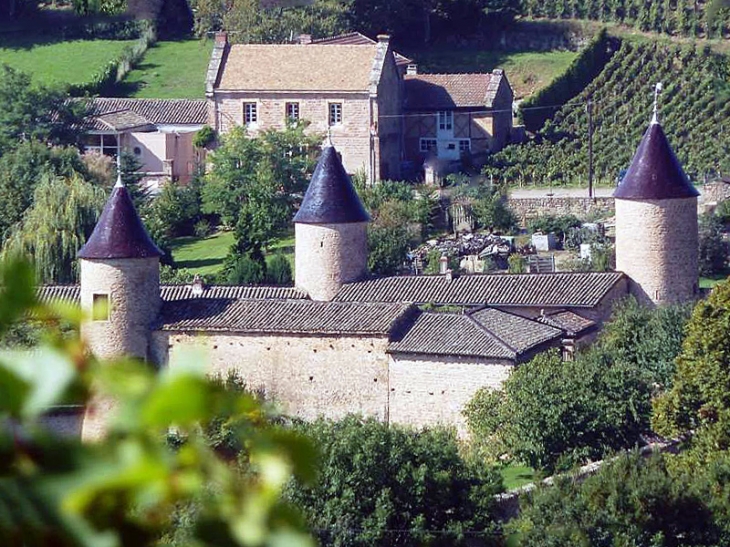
x=308, y=375
x=657, y=247
x=153, y=148
x=328, y=255
x=351, y=137
x=426, y=391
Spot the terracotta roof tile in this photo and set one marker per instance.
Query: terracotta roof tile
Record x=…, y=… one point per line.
x=446, y=91
x=569, y=322
x=281, y=316
x=269, y=67
x=574, y=290
x=152, y=111
x=357, y=38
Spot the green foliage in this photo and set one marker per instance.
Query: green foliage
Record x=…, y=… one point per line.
x=487, y=204
x=538, y=108
x=253, y=182
x=622, y=109
x=387, y=249
x=177, y=208
x=383, y=485
x=630, y=501
x=245, y=269
x=713, y=252
x=554, y=414
x=517, y=263
x=55, y=227
x=204, y=137
x=558, y=225
x=203, y=228
x=278, y=271
x=33, y=112
x=125, y=489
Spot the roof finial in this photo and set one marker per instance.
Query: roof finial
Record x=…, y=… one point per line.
x=328, y=142
x=657, y=89
x=119, y=183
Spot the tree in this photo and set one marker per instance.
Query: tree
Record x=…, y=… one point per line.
x=383, y=484
x=387, y=249
x=713, y=251
x=127, y=489
x=33, y=112
x=55, y=227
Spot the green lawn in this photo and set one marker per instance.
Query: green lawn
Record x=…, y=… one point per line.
x=526, y=71
x=516, y=475
x=205, y=256
x=709, y=282
x=51, y=62
x=170, y=70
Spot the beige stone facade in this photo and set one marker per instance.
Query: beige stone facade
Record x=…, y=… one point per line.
x=657, y=247
x=329, y=255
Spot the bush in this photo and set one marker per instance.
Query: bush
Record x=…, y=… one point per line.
x=278, y=270
x=245, y=270
x=385, y=484
x=387, y=249
x=203, y=228
x=713, y=251
x=517, y=263
x=204, y=137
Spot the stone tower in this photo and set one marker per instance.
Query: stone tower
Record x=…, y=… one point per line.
x=120, y=291
x=656, y=224
x=331, y=245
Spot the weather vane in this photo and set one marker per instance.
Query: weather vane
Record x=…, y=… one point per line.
x=657, y=89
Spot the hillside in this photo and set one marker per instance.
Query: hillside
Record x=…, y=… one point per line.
x=695, y=112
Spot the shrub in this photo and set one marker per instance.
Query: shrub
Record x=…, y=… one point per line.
x=204, y=137
x=203, y=228
x=245, y=270
x=517, y=263
x=278, y=270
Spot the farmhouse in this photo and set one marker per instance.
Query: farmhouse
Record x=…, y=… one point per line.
x=341, y=342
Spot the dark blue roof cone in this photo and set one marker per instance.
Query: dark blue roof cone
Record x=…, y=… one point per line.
x=119, y=233
x=655, y=172
x=331, y=198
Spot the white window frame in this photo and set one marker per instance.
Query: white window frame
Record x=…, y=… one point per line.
x=446, y=120
x=291, y=111
x=250, y=113
x=464, y=145
x=428, y=145
x=335, y=113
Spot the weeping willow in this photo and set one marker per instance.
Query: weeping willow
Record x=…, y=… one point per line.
x=53, y=229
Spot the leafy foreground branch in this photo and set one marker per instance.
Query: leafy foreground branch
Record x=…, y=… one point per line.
x=125, y=490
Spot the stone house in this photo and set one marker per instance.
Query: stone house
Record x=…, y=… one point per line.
x=448, y=115
x=351, y=92
x=158, y=132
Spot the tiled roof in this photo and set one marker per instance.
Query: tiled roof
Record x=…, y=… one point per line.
x=281, y=316
x=445, y=91
x=487, y=333
x=152, y=111
x=357, y=38
x=122, y=120
x=569, y=322
x=572, y=290
x=269, y=67
x=331, y=198
x=655, y=172
x=72, y=293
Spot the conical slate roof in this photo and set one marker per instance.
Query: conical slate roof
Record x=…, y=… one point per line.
x=331, y=198
x=119, y=233
x=655, y=172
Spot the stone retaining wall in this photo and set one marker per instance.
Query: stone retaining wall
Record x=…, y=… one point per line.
x=529, y=208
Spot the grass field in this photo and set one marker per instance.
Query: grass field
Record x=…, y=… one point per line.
x=170, y=70
x=526, y=71
x=205, y=256
x=51, y=62
x=515, y=476
x=709, y=282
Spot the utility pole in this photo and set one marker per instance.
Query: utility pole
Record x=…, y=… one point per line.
x=589, y=109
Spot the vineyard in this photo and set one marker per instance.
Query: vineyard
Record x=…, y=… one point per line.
x=673, y=17
x=694, y=111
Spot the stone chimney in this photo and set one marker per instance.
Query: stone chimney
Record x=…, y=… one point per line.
x=221, y=38
x=384, y=38
x=443, y=265
x=412, y=68
x=305, y=39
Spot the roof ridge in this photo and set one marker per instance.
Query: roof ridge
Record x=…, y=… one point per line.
x=489, y=331
x=527, y=347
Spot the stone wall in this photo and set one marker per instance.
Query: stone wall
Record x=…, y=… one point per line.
x=328, y=255
x=310, y=376
x=426, y=391
x=529, y=208
x=657, y=247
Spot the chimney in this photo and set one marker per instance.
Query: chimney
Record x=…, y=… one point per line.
x=384, y=38
x=221, y=38
x=198, y=286
x=305, y=39
x=443, y=265
x=412, y=68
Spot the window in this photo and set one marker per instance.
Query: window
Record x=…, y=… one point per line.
x=100, y=310
x=292, y=111
x=446, y=120
x=101, y=144
x=335, y=113
x=464, y=145
x=249, y=113
x=428, y=145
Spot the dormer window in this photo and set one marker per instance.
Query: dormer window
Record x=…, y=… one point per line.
x=101, y=310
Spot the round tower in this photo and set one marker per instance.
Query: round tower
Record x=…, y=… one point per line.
x=120, y=291
x=656, y=224
x=330, y=228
